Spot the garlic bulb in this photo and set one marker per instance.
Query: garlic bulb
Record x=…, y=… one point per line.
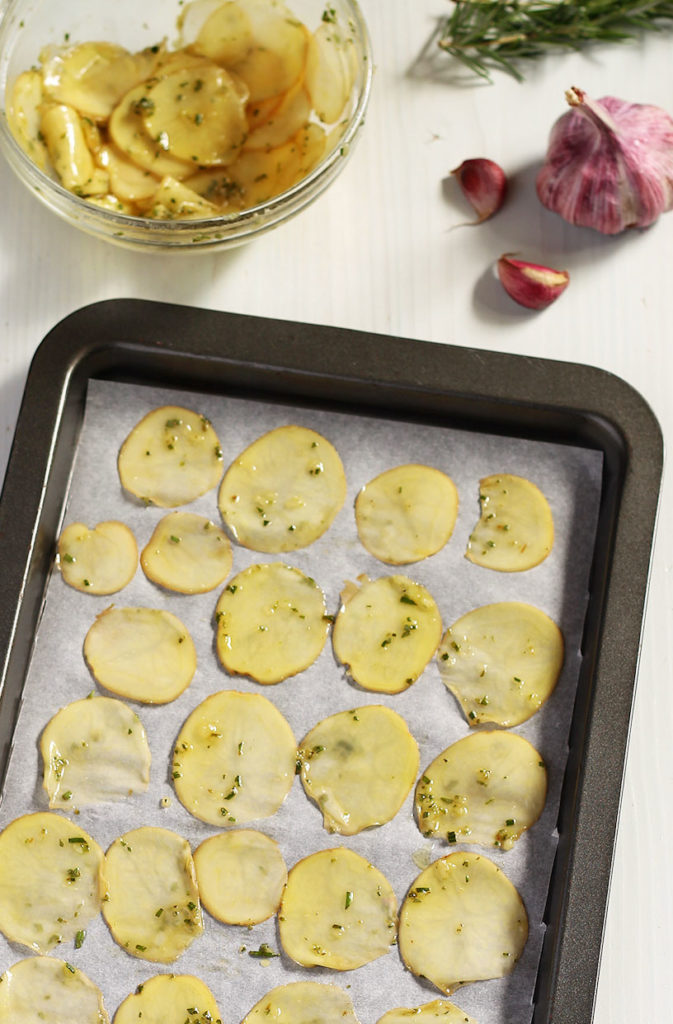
x=609, y=165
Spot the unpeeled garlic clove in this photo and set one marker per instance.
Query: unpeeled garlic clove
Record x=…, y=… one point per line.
x=530, y=284
x=484, y=185
x=609, y=165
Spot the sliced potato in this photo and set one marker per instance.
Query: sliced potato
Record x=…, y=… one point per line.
x=224, y=33
x=331, y=69
x=93, y=77
x=128, y=182
x=406, y=513
x=487, y=788
x=187, y=553
x=283, y=491
x=516, y=529
x=358, y=766
x=438, y=1009
x=259, y=175
x=303, y=1002
x=171, y=457
x=152, y=909
x=24, y=116
x=114, y=205
x=338, y=911
x=284, y=121
x=170, y=999
x=127, y=131
x=386, y=632
x=501, y=662
x=98, y=561
x=461, y=921
x=271, y=622
x=44, y=990
x=51, y=882
x=144, y=654
x=241, y=876
x=234, y=759
x=70, y=156
x=216, y=187
x=173, y=200
x=198, y=113
x=94, y=750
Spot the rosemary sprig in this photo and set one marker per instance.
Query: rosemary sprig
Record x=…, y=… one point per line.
x=488, y=34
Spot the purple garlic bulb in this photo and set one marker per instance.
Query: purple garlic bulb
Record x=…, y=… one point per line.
x=609, y=164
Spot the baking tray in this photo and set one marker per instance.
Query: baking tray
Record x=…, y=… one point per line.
x=348, y=371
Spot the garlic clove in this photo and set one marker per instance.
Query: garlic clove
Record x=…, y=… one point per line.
x=484, y=185
x=530, y=284
x=609, y=164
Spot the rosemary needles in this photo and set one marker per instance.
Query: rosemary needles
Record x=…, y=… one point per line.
x=488, y=34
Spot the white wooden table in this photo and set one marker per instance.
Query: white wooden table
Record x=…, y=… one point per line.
x=382, y=251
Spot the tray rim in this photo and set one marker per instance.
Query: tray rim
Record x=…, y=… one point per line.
x=551, y=400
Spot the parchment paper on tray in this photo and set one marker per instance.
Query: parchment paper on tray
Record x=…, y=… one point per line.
x=570, y=478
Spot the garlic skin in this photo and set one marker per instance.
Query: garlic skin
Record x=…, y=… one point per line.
x=484, y=185
x=530, y=284
x=609, y=164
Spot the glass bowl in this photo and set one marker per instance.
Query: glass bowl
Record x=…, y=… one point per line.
x=27, y=26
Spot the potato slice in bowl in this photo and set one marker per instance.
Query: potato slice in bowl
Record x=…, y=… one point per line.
x=187, y=553
x=501, y=662
x=303, y=1002
x=516, y=528
x=98, y=561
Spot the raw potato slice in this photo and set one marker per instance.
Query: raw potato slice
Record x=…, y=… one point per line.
x=98, y=561
x=187, y=553
x=303, y=1002
x=174, y=200
x=259, y=175
x=516, y=529
x=152, y=909
x=24, y=116
x=386, y=632
x=44, y=990
x=144, y=654
x=241, y=876
x=359, y=766
x=271, y=622
x=198, y=113
x=51, y=883
x=94, y=750
x=225, y=33
x=234, y=759
x=428, y=1013
x=406, y=513
x=71, y=158
x=127, y=131
x=171, y=456
x=338, y=911
x=487, y=788
x=285, y=120
x=128, y=182
x=331, y=69
x=283, y=491
x=462, y=921
x=501, y=662
x=170, y=999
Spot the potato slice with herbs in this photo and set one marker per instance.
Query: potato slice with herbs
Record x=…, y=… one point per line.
x=331, y=69
x=358, y=766
x=386, y=632
x=428, y=1013
x=94, y=750
x=461, y=921
x=338, y=911
x=170, y=999
x=221, y=28
x=283, y=491
x=487, y=788
x=44, y=990
x=234, y=759
x=145, y=654
x=152, y=909
x=303, y=1002
x=501, y=662
x=241, y=876
x=129, y=134
x=259, y=175
x=173, y=200
x=128, y=182
x=51, y=882
x=516, y=529
x=98, y=561
x=187, y=553
x=406, y=513
x=271, y=622
x=171, y=457
x=287, y=118
x=24, y=114
x=198, y=114
x=70, y=156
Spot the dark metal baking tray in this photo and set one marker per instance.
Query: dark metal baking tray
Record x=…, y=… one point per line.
x=178, y=346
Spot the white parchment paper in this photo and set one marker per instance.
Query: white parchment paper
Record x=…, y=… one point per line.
x=570, y=478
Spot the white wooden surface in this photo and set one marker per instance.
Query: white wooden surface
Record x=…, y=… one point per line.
x=382, y=251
